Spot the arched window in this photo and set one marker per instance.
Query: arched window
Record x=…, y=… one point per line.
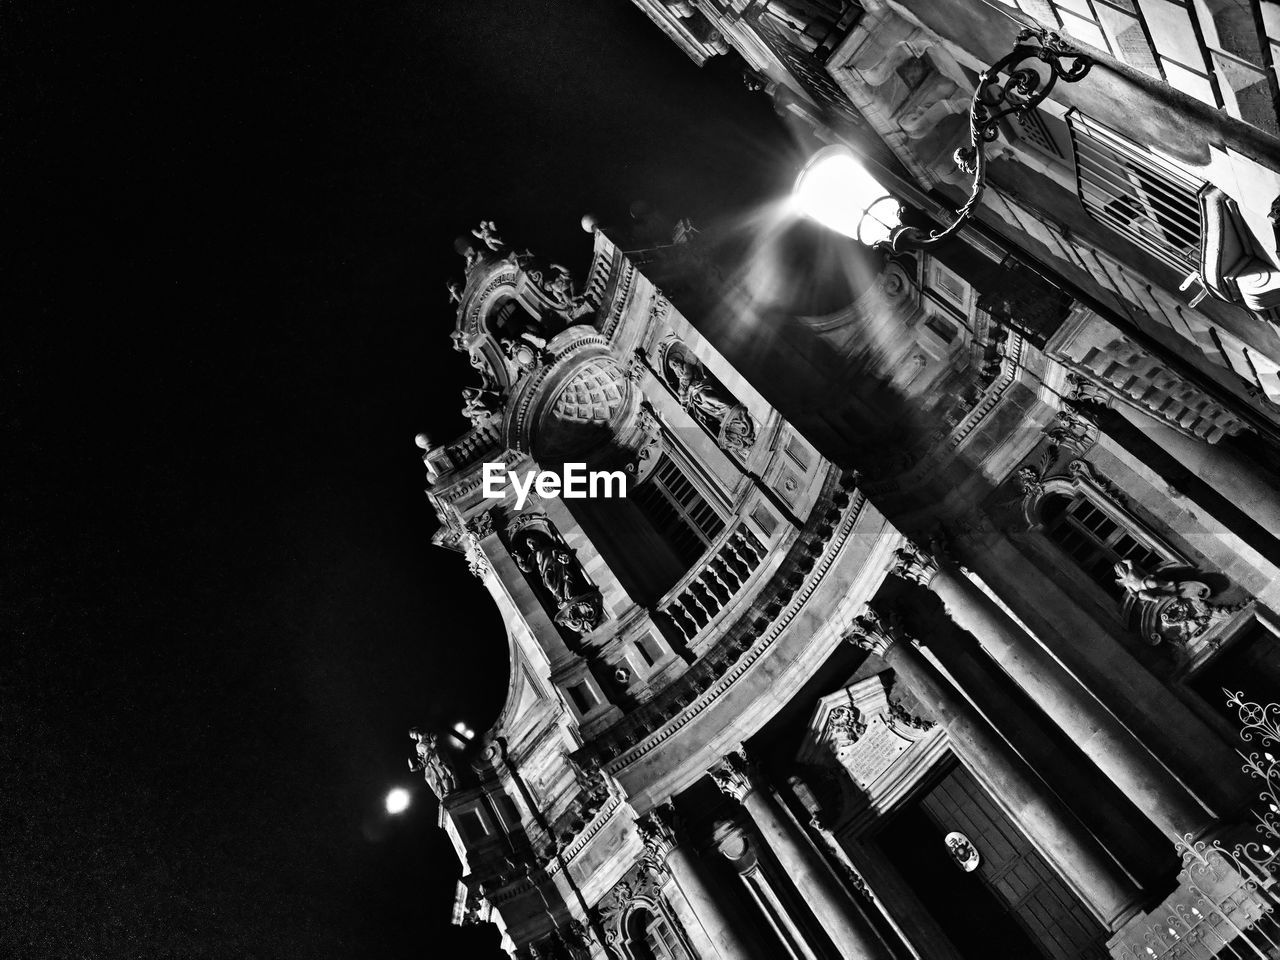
x=1096, y=538
x=650, y=937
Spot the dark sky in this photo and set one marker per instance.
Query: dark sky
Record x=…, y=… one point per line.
x=221, y=608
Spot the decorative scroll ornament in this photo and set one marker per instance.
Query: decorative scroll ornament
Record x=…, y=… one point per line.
x=962, y=851
x=847, y=722
x=706, y=398
x=428, y=759
x=1174, y=611
x=539, y=551
x=992, y=103
x=649, y=446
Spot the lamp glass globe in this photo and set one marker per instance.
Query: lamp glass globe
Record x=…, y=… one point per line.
x=838, y=192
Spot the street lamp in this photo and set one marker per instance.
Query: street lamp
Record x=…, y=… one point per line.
x=835, y=189
x=397, y=800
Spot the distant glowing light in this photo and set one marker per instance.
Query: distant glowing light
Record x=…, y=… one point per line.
x=838, y=192
x=397, y=800
x=464, y=732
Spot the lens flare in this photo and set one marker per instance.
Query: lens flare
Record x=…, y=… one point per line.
x=837, y=191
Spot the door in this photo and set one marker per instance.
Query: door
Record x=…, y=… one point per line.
x=1021, y=879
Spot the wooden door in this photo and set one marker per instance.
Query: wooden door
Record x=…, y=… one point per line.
x=1055, y=919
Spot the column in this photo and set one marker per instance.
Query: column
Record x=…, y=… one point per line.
x=1243, y=484
x=1081, y=860
x=658, y=831
x=1102, y=737
x=843, y=922
x=738, y=849
x=1101, y=806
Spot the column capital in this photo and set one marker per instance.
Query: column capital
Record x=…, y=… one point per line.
x=733, y=775
x=878, y=633
x=657, y=831
x=915, y=563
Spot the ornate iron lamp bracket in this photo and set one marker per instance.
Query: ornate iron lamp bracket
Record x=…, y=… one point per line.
x=992, y=102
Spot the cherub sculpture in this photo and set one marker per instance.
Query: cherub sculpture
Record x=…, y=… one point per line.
x=478, y=404
x=487, y=233
x=1151, y=589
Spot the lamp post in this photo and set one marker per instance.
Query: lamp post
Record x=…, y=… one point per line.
x=835, y=189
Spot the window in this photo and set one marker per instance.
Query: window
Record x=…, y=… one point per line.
x=672, y=504
x=945, y=330
x=650, y=937
x=648, y=651
x=1094, y=539
x=1159, y=37
x=471, y=826
x=508, y=812
x=1031, y=128
x=583, y=697
x=1137, y=194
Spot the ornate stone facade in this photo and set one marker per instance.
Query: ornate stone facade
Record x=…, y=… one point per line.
x=757, y=709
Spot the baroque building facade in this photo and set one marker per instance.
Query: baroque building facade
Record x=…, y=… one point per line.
x=931, y=617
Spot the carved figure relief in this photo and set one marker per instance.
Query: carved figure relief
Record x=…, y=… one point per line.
x=479, y=405
x=706, y=398
x=539, y=551
x=1172, y=611
x=428, y=759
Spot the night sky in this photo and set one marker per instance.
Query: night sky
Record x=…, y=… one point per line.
x=221, y=608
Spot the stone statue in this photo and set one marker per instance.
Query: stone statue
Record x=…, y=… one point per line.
x=487, y=233
x=536, y=551
x=560, y=287
x=707, y=400
x=478, y=404
x=455, y=292
x=1149, y=589
x=555, y=566
x=1174, y=610
x=439, y=776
